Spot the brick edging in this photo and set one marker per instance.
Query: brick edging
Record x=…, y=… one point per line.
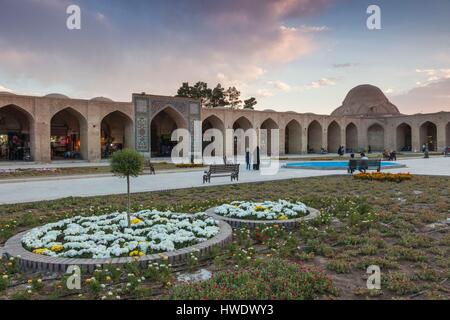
x=29, y=261
x=242, y=223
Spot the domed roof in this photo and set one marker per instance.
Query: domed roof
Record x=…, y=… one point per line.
x=101, y=99
x=56, y=95
x=365, y=100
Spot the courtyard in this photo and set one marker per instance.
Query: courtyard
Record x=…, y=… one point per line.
x=40, y=189
x=402, y=227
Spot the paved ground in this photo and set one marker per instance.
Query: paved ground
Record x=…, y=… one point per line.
x=84, y=163
x=19, y=192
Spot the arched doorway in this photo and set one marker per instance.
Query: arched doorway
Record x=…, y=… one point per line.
x=244, y=124
x=116, y=133
x=375, y=138
x=266, y=143
x=428, y=136
x=334, y=137
x=68, y=135
x=162, y=126
x=404, y=137
x=213, y=122
x=351, y=138
x=15, y=134
x=293, y=137
x=314, y=137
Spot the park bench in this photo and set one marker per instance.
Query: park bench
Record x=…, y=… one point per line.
x=363, y=165
x=221, y=170
x=149, y=166
x=447, y=151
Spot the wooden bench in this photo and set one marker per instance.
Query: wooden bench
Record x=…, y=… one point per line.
x=221, y=170
x=149, y=166
x=363, y=165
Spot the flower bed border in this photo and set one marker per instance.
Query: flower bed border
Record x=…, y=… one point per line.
x=245, y=223
x=29, y=261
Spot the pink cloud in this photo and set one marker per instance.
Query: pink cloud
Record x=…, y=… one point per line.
x=432, y=97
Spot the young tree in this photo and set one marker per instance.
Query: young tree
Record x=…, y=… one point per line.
x=232, y=96
x=127, y=163
x=250, y=103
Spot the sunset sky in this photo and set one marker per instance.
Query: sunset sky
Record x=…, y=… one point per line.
x=302, y=55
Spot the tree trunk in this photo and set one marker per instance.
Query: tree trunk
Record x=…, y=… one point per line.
x=129, y=202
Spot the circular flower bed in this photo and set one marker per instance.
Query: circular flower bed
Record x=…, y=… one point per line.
x=247, y=214
x=267, y=210
x=108, y=236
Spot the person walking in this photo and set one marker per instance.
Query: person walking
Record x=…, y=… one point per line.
x=247, y=159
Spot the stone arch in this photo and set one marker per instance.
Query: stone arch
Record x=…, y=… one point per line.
x=242, y=123
x=403, y=137
x=213, y=122
x=351, y=137
x=314, y=137
x=293, y=137
x=428, y=135
x=245, y=124
x=162, y=125
x=116, y=133
x=266, y=142
x=334, y=137
x=68, y=135
x=375, y=137
x=16, y=133
x=447, y=135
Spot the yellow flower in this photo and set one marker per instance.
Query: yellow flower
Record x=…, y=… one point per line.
x=57, y=248
x=40, y=251
x=282, y=217
x=135, y=221
x=259, y=208
x=136, y=253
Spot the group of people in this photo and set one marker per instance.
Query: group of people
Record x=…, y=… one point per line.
x=249, y=160
x=362, y=156
x=14, y=148
x=390, y=155
x=341, y=151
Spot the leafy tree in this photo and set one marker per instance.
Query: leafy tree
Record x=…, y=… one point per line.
x=185, y=90
x=218, y=98
x=233, y=97
x=199, y=91
x=250, y=103
x=127, y=163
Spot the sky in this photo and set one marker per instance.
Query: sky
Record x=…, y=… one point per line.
x=292, y=55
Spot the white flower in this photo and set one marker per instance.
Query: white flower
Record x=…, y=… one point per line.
x=107, y=236
x=267, y=210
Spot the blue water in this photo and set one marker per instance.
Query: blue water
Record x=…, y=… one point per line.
x=334, y=164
